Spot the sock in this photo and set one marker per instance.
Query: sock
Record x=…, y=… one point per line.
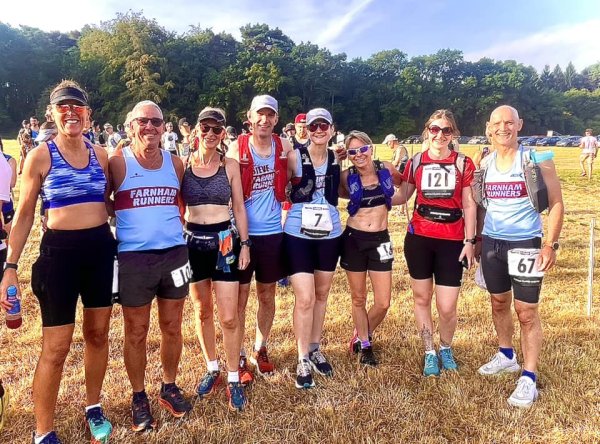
x=212, y=366
x=39, y=439
x=303, y=358
x=430, y=352
x=507, y=351
x=530, y=375
x=365, y=344
x=90, y=407
x=233, y=376
x=313, y=346
x=259, y=344
x=243, y=352
x=445, y=347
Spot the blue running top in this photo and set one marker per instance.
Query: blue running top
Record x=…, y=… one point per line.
x=65, y=185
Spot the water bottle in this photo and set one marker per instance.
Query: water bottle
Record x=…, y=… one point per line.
x=13, y=316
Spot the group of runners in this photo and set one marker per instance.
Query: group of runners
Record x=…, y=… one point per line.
x=209, y=222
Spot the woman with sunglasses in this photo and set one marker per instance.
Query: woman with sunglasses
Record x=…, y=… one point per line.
x=441, y=234
x=312, y=234
x=366, y=243
x=210, y=182
x=76, y=257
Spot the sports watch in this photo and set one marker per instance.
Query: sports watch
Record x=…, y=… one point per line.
x=246, y=243
x=554, y=245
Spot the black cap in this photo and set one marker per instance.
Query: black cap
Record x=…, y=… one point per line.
x=69, y=93
x=212, y=114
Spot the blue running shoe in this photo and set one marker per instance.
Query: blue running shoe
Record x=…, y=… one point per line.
x=100, y=426
x=448, y=362
x=209, y=384
x=50, y=438
x=432, y=366
x=141, y=415
x=236, y=396
x=285, y=282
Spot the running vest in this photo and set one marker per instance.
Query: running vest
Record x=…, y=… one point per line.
x=510, y=214
x=304, y=187
x=357, y=191
x=146, y=206
x=247, y=167
x=65, y=185
x=213, y=190
x=297, y=144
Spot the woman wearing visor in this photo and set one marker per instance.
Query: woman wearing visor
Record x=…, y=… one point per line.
x=76, y=257
x=366, y=244
x=441, y=234
x=210, y=182
x=312, y=235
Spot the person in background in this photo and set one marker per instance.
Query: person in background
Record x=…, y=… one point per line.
x=8, y=208
x=340, y=137
x=230, y=136
x=35, y=128
x=112, y=139
x=24, y=131
x=169, y=139
x=589, y=147
x=185, y=131
x=300, y=138
x=399, y=152
x=70, y=175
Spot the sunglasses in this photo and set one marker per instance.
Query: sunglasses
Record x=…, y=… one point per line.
x=63, y=109
x=215, y=129
x=446, y=131
x=323, y=126
x=155, y=121
x=362, y=150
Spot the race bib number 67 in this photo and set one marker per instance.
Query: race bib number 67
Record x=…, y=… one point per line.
x=522, y=266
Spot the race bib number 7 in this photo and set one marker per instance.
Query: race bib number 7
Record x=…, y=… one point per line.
x=316, y=220
x=522, y=266
x=182, y=275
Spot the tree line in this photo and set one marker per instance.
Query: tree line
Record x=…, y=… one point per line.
x=131, y=58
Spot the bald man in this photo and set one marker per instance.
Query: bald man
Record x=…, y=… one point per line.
x=513, y=256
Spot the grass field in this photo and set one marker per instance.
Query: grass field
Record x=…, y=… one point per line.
x=393, y=403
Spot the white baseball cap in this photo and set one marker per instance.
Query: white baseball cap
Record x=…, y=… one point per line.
x=318, y=113
x=264, y=101
x=389, y=138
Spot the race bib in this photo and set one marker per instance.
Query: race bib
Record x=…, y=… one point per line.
x=438, y=181
x=182, y=275
x=522, y=266
x=316, y=220
x=386, y=252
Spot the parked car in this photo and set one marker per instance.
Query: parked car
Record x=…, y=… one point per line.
x=569, y=141
x=477, y=140
x=532, y=141
x=548, y=141
x=416, y=138
x=464, y=139
x=520, y=139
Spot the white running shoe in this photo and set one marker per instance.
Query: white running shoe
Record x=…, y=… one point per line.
x=525, y=393
x=500, y=364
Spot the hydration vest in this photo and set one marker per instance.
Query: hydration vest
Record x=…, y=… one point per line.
x=247, y=167
x=356, y=189
x=304, y=187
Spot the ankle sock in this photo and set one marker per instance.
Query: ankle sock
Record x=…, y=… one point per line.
x=212, y=366
x=243, y=352
x=365, y=344
x=507, y=351
x=38, y=439
x=445, y=347
x=233, y=376
x=90, y=407
x=430, y=352
x=530, y=375
x=313, y=346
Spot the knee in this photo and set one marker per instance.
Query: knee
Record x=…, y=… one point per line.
x=322, y=295
x=135, y=335
x=359, y=300
x=527, y=317
x=230, y=321
x=382, y=304
x=96, y=338
x=305, y=303
x=55, y=354
x=266, y=298
x=500, y=305
x=447, y=313
x=171, y=328
x=422, y=299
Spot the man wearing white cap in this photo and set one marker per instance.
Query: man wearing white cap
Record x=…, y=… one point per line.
x=400, y=154
x=263, y=164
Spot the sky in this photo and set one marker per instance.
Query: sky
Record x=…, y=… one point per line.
x=532, y=32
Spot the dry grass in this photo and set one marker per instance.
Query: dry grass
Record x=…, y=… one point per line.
x=391, y=404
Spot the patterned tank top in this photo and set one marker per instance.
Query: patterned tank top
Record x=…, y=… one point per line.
x=214, y=190
x=66, y=185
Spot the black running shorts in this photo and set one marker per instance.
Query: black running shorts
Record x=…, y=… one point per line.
x=204, y=263
x=267, y=259
x=73, y=263
x=428, y=257
x=310, y=255
x=366, y=251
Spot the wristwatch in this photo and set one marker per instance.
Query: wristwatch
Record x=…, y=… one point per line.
x=246, y=243
x=471, y=241
x=554, y=245
x=10, y=265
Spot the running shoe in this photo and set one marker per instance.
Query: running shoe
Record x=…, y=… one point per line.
x=260, y=359
x=4, y=400
x=354, y=345
x=246, y=376
x=304, y=379
x=432, y=365
x=50, y=438
x=236, y=396
x=367, y=357
x=525, y=393
x=100, y=426
x=172, y=399
x=447, y=358
x=209, y=384
x=140, y=412
x=500, y=364
x=319, y=363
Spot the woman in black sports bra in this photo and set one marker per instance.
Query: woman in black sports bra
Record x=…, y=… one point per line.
x=210, y=183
